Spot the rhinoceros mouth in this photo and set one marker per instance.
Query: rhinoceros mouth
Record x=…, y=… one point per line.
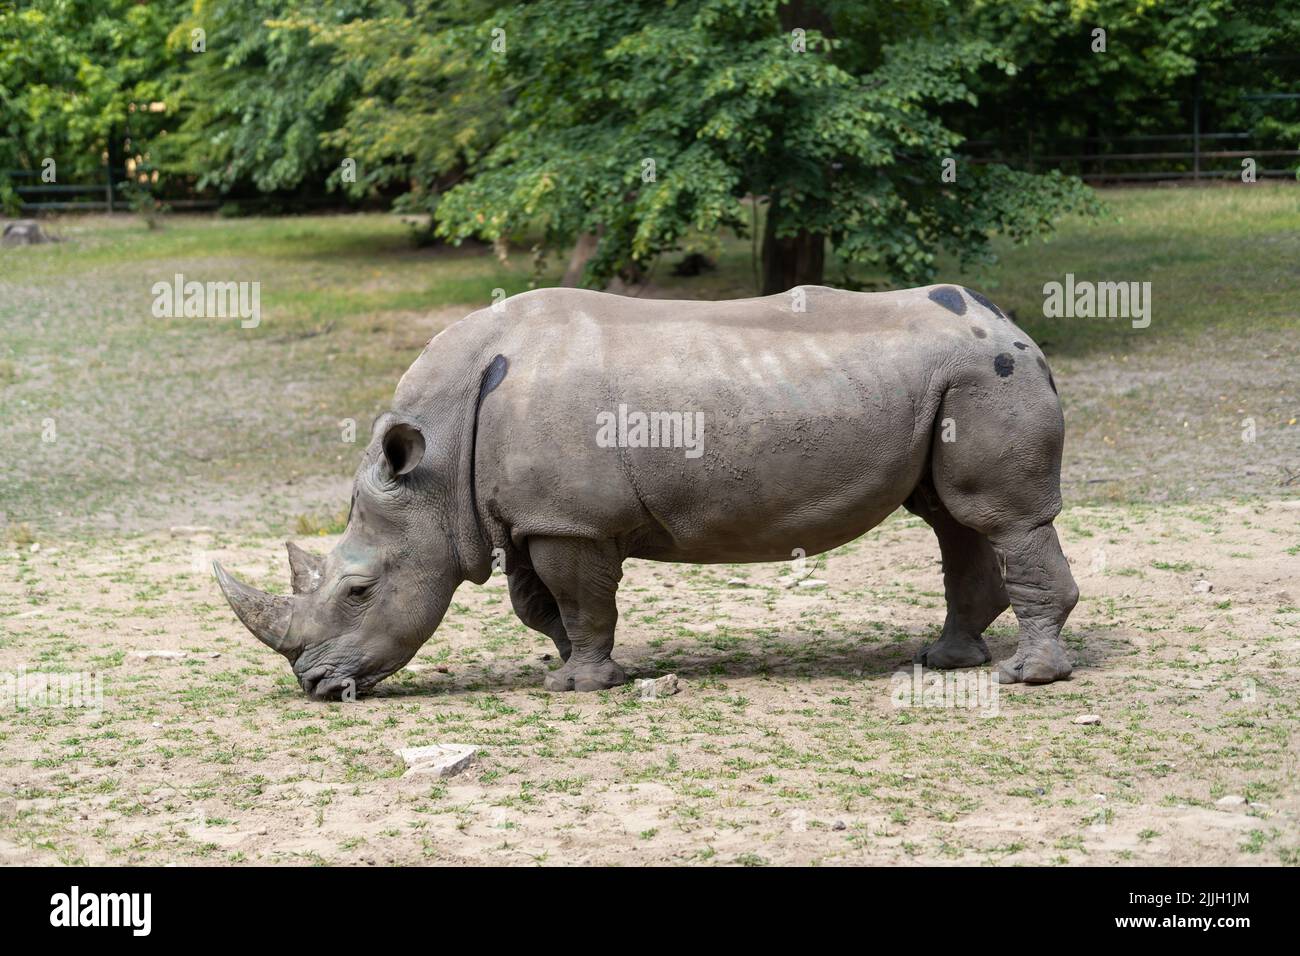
x=322, y=683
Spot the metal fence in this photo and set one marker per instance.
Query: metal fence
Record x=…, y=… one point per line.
x=30, y=188
x=1188, y=156
x=104, y=195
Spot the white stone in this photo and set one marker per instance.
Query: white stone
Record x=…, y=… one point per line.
x=653, y=689
x=1202, y=587
x=441, y=760
x=1231, y=800
x=158, y=655
x=1086, y=719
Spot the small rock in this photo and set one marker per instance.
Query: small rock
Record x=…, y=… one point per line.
x=737, y=583
x=156, y=725
x=1040, y=791
x=812, y=583
x=421, y=668
x=1231, y=800
x=440, y=760
x=158, y=655
x=189, y=530
x=1086, y=719
x=839, y=825
x=653, y=689
x=35, y=548
x=1202, y=587
x=24, y=232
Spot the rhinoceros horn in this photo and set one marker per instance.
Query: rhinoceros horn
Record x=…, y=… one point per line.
x=266, y=615
x=305, y=568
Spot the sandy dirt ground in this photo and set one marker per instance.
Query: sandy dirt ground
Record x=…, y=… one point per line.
x=792, y=740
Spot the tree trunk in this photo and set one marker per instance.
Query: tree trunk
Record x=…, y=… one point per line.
x=583, y=250
x=799, y=259
x=791, y=260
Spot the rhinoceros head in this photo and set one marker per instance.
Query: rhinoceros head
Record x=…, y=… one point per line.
x=360, y=613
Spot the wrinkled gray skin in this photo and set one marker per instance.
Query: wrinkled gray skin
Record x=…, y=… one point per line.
x=818, y=423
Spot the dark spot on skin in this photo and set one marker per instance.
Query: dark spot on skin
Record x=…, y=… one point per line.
x=984, y=301
x=979, y=333
x=1004, y=364
x=1020, y=345
x=493, y=376
x=1043, y=365
x=948, y=297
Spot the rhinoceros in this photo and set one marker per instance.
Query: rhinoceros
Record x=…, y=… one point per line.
x=562, y=431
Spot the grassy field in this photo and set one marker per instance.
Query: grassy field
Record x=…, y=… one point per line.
x=176, y=441
x=182, y=421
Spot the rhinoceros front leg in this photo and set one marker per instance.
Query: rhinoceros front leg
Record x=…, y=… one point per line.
x=536, y=607
x=583, y=577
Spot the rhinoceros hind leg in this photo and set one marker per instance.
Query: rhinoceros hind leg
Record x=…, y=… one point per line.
x=536, y=607
x=1043, y=594
x=1001, y=477
x=583, y=576
x=972, y=584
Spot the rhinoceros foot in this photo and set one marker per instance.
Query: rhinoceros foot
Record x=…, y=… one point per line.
x=586, y=676
x=951, y=651
x=1041, y=663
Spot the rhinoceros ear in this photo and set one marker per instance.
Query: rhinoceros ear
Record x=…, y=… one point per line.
x=305, y=569
x=403, y=448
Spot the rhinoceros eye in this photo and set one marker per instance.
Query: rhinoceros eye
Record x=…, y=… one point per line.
x=360, y=592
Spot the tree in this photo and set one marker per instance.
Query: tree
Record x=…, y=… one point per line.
x=1158, y=56
x=261, y=98
x=650, y=125
x=419, y=119
x=72, y=76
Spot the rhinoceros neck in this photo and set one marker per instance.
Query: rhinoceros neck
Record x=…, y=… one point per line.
x=441, y=392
